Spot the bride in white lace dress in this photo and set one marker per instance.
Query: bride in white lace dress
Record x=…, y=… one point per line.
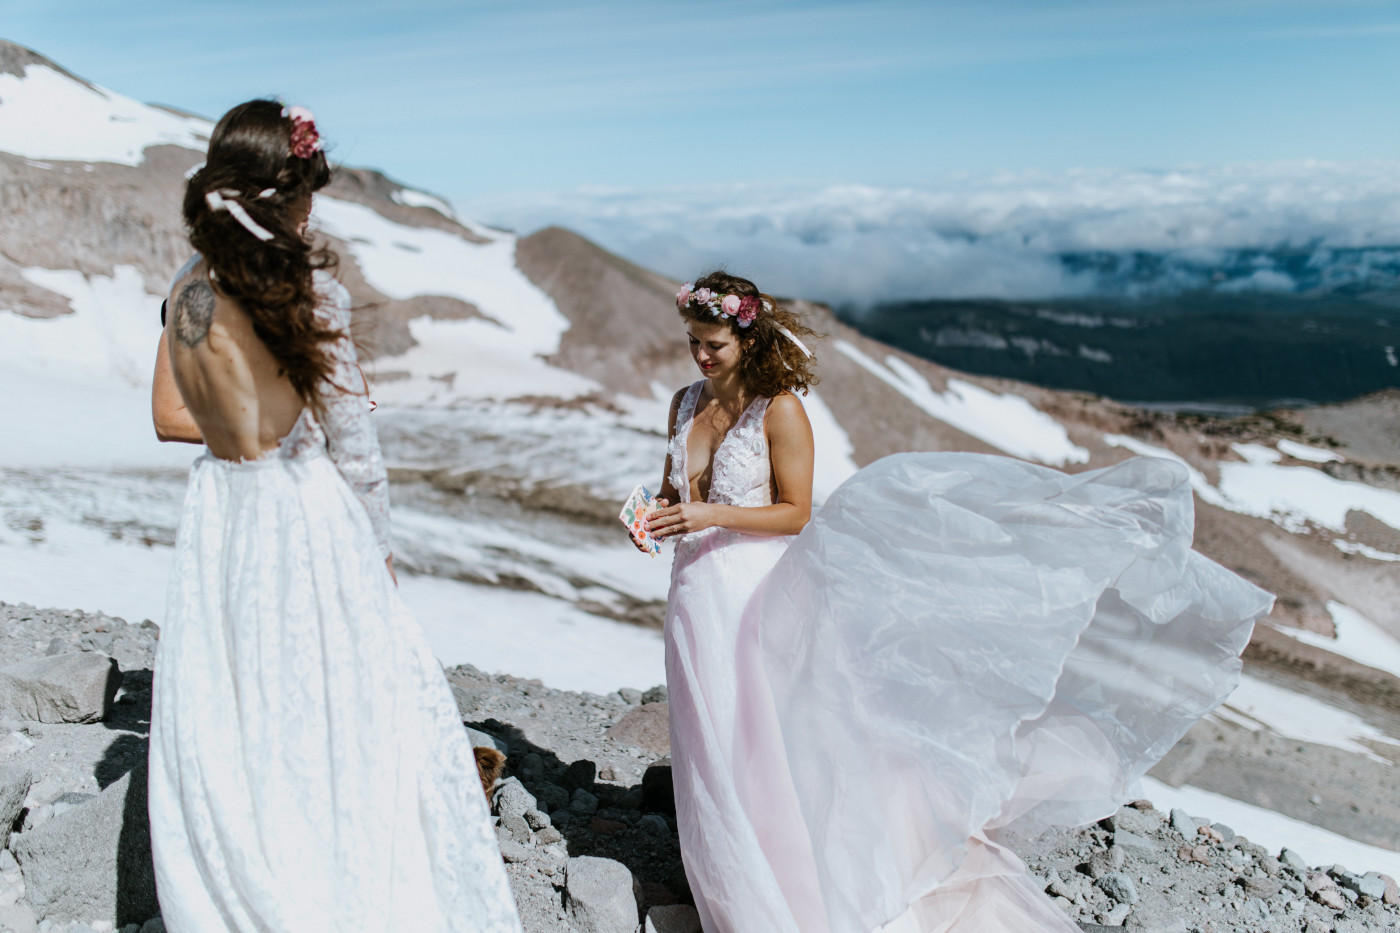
x=956, y=645
x=309, y=771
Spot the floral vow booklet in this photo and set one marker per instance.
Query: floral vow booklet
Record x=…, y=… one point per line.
x=635, y=512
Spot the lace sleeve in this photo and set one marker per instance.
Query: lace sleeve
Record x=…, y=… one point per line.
x=351, y=439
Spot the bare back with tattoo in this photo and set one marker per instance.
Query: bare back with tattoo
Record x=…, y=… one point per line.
x=240, y=398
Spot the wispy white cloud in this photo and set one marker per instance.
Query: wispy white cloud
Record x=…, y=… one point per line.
x=1281, y=227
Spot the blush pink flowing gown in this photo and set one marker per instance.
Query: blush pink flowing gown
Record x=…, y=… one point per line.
x=957, y=645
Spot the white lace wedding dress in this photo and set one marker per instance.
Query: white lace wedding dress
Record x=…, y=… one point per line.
x=309, y=772
x=956, y=645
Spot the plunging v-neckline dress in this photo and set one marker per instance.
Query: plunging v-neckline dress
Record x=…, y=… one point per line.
x=956, y=645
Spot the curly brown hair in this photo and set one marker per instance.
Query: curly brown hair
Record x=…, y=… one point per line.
x=769, y=363
x=250, y=155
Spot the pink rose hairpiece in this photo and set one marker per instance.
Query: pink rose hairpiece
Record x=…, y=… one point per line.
x=744, y=310
x=306, y=141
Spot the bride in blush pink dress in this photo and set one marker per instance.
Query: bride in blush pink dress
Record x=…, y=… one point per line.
x=956, y=645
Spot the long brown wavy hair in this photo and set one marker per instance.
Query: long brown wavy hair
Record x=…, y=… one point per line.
x=769, y=363
x=250, y=154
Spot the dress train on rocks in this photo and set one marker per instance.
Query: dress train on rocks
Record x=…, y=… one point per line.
x=956, y=646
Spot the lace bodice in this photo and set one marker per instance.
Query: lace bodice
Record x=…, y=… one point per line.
x=741, y=471
x=344, y=429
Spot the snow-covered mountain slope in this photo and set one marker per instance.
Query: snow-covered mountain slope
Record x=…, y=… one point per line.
x=524, y=384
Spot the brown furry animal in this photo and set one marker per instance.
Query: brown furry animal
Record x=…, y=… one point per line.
x=490, y=764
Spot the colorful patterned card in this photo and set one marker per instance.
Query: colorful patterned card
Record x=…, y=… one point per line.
x=634, y=515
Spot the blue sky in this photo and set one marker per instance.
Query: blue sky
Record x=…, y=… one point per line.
x=483, y=100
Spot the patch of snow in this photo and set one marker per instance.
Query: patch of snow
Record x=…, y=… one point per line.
x=1007, y=422
x=519, y=444
x=530, y=635
x=47, y=115
x=78, y=385
x=1292, y=497
x=498, y=356
x=108, y=340
x=51, y=422
x=553, y=567
x=833, y=463
x=474, y=359
x=406, y=262
x=1274, y=831
x=1256, y=704
x=78, y=566
x=1365, y=550
x=1311, y=454
x=410, y=197
x=1289, y=496
x=1357, y=638
x=647, y=414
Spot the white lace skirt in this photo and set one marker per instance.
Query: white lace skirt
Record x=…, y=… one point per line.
x=309, y=771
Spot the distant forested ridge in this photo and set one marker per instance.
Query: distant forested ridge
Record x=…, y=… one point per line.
x=1248, y=350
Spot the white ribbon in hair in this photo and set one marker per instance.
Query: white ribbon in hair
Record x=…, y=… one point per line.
x=224, y=199
x=793, y=337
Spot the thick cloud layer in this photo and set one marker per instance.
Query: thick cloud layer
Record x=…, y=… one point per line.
x=1303, y=227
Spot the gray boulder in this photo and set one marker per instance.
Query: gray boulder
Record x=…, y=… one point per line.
x=94, y=860
x=601, y=896
x=512, y=799
x=14, y=787
x=583, y=803
x=647, y=727
x=480, y=739
x=76, y=687
x=1119, y=886
x=676, y=918
x=1134, y=820
x=1184, y=824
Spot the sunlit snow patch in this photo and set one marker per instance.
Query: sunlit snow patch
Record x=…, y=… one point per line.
x=496, y=357
x=1294, y=496
x=1007, y=422
x=1256, y=704
x=109, y=339
x=410, y=197
x=1291, y=497
x=79, y=384
x=832, y=449
x=529, y=635
x=1357, y=638
x=1303, y=452
x=47, y=115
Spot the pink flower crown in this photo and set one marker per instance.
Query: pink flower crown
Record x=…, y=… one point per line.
x=744, y=310
x=306, y=141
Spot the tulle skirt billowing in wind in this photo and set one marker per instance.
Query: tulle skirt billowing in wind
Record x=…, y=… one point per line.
x=957, y=645
x=309, y=771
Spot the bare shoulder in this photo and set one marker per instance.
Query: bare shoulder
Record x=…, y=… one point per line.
x=786, y=416
x=786, y=406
